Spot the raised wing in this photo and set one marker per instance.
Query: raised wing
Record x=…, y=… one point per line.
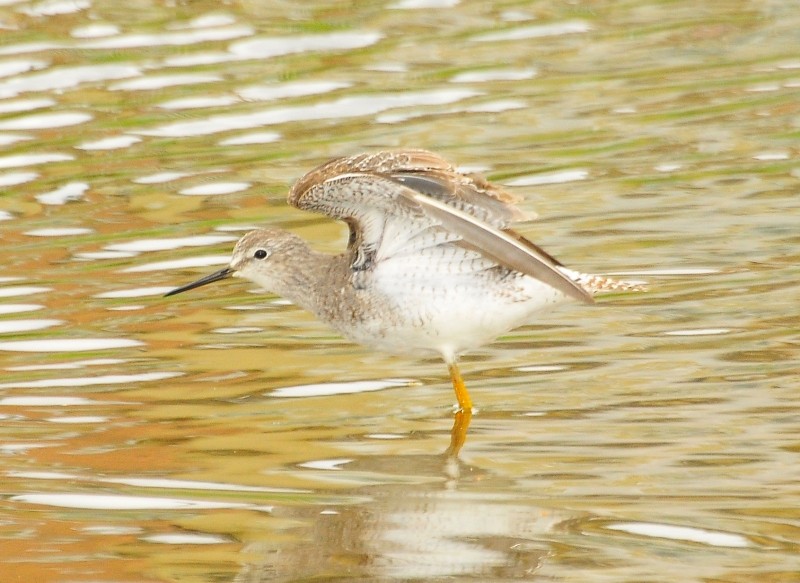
x=406, y=201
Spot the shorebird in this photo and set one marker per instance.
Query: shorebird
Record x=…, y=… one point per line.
x=431, y=265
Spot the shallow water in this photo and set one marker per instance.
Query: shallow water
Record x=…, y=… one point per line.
x=228, y=436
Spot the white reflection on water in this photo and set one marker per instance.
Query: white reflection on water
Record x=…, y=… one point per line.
x=161, y=81
x=118, y=379
x=17, y=160
x=55, y=7
x=22, y=290
x=264, y=48
x=67, y=344
x=9, y=68
x=772, y=156
x=60, y=78
x=25, y=104
x=682, y=533
x=75, y=364
x=41, y=121
x=161, y=177
x=199, y=102
x=550, y=178
x=78, y=420
x=138, y=292
x=144, y=245
x=316, y=390
x=48, y=401
x=110, y=530
x=15, y=326
x=185, y=538
x=32, y=47
x=203, y=261
x=237, y=330
x=536, y=31
x=121, y=502
x=159, y=483
x=252, y=138
x=698, y=332
x=62, y=232
x=207, y=21
x=112, y=143
x=68, y=192
x=215, y=188
x=16, y=308
x=331, y=464
x=181, y=38
x=290, y=89
x=494, y=75
x=91, y=255
x=14, y=178
x=8, y=139
x=497, y=106
x=95, y=30
x=21, y=447
x=350, y=106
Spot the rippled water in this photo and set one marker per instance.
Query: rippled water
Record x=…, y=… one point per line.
x=228, y=436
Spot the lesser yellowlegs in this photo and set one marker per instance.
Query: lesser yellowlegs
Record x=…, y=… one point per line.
x=431, y=264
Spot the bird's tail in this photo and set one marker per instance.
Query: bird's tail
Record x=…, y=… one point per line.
x=601, y=284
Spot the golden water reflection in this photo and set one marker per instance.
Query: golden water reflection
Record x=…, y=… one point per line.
x=232, y=437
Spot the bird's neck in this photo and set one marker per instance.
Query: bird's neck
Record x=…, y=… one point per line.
x=315, y=282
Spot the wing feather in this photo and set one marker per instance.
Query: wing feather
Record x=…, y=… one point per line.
x=400, y=201
x=505, y=249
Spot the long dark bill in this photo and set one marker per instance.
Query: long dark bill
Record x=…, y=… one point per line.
x=216, y=276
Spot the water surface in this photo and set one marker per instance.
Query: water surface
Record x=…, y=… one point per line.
x=228, y=436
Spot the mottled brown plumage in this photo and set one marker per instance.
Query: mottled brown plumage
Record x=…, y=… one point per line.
x=420, y=187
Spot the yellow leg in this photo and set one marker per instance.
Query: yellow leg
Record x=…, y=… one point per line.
x=458, y=435
x=464, y=400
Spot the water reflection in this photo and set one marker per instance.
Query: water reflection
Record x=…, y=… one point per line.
x=60, y=79
x=67, y=344
x=535, y=31
x=112, y=143
x=352, y=106
x=418, y=533
x=650, y=438
x=40, y=121
x=64, y=194
x=15, y=161
x=440, y=526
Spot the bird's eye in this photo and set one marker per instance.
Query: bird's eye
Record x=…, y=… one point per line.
x=260, y=254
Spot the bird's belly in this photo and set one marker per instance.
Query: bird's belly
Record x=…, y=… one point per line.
x=420, y=319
